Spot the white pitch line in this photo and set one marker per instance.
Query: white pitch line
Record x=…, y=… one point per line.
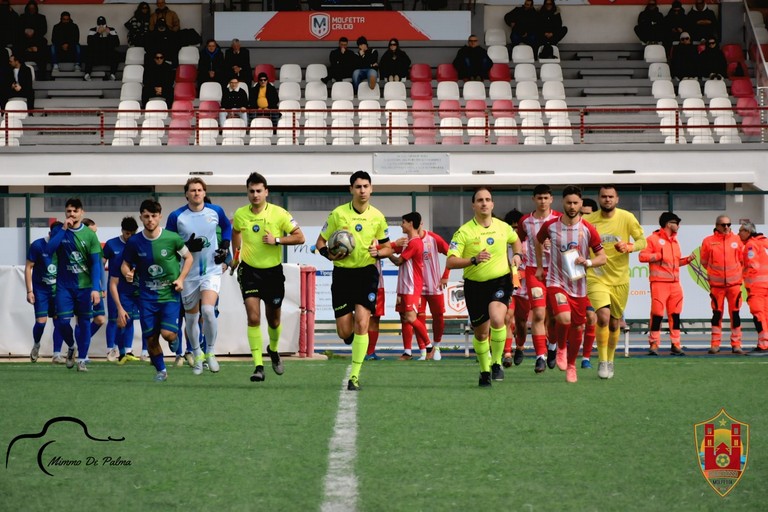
x=340, y=480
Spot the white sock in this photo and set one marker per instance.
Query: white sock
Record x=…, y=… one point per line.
x=210, y=326
x=192, y=330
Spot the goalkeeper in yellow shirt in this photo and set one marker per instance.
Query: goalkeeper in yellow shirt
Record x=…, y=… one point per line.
x=608, y=286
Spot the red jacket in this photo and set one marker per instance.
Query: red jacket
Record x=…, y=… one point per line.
x=721, y=257
x=663, y=257
x=756, y=261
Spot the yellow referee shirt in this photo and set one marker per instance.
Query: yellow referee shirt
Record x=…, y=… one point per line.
x=253, y=227
x=470, y=240
x=365, y=227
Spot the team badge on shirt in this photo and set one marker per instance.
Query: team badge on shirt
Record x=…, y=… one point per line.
x=490, y=241
x=256, y=228
x=358, y=227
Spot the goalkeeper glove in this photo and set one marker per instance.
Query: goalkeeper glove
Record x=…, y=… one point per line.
x=220, y=255
x=195, y=244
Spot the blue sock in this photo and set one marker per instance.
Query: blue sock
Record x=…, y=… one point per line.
x=58, y=339
x=37, y=332
x=128, y=337
x=158, y=362
x=83, y=336
x=65, y=330
x=94, y=328
x=111, y=334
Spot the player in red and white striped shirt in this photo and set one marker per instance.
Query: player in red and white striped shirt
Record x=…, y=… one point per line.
x=527, y=230
x=519, y=305
x=410, y=280
x=567, y=298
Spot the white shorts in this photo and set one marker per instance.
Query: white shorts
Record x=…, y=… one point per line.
x=193, y=289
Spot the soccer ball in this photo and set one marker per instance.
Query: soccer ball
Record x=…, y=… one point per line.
x=341, y=243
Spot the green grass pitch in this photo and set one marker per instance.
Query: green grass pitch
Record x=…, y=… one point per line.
x=427, y=437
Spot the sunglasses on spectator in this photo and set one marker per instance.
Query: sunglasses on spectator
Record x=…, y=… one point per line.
x=473, y=40
x=725, y=224
x=158, y=56
x=712, y=43
x=262, y=79
x=393, y=44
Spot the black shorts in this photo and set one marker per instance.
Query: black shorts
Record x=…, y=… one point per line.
x=479, y=295
x=352, y=286
x=267, y=284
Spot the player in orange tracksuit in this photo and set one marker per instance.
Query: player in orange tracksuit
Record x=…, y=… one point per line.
x=663, y=257
x=721, y=257
x=756, y=280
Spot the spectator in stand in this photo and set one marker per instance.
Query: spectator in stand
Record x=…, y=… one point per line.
x=712, y=61
x=138, y=25
x=163, y=40
x=395, y=63
x=234, y=102
x=702, y=22
x=551, y=23
x=21, y=84
x=472, y=62
x=210, y=67
x=650, y=24
x=524, y=22
x=158, y=80
x=237, y=61
x=343, y=62
x=164, y=13
x=685, y=59
x=264, y=97
x=9, y=24
x=367, y=65
x=65, y=42
x=675, y=23
x=32, y=20
x=102, y=49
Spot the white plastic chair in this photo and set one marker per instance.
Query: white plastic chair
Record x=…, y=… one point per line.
x=314, y=141
x=522, y=53
x=188, y=55
x=129, y=105
x=135, y=55
x=551, y=71
x=234, y=128
x=396, y=109
x=495, y=36
x=315, y=72
x=286, y=127
x=259, y=141
x=116, y=142
x=133, y=73
x=526, y=91
x=715, y=89
x=720, y=123
x=342, y=91
x=396, y=127
x=498, y=54
x=126, y=128
x=364, y=92
x=553, y=90
x=525, y=73
x=342, y=108
x=315, y=105
x=703, y=139
x=560, y=127
x=671, y=140
x=152, y=128
x=287, y=141
x=315, y=91
x=535, y=140
x=667, y=126
x=290, y=109
x=447, y=91
x=476, y=127
x=663, y=89
x=370, y=141
x=505, y=127
x=156, y=109
x=666, y=103
x=715, y=104
x=290, y=73
x=451, y=127
x=15, y=109
x=398, y=141
x=368, y=127
x=343, y=141
x=207, y=132
x=730, y=139
x=289, y=91
x=13, y=135
x=689, y=89
x=562, y=140
x=499, y=91
x=315, y=128
x=659, y=71
x=694, y=107
x=365, y=105
x=395, y=91
x=342, y=127
x=130, y=91
x=698, y=125
x=210, y=91
x=261, y=130
x=533, y=108
x=655, y=53
x=473, y=91
x=532, y=126
x=552, y=106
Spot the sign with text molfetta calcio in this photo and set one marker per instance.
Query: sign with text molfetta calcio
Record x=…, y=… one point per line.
x=309, y=25
x=722, y=448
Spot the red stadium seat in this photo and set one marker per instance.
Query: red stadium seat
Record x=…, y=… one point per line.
x=742, y=88
x=751, y=125
x=421, y=73
x=186, y=73
x=182, y=109
x=733, y=53
x=500, y=73
x=209, y=109
x=269, y=69
x=737, y=69
x=421, y=91
x=503, y=108
x=475, y=108
x=447, y=73
x=746, y=106
x=425, y=105
x=179, y=129
x=507, y=141
x=185, y=91
x=478, y=141
x=449, y=108
x=423, y=127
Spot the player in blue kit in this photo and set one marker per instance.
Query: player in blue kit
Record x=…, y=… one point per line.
x=196, y=224
x=78, y=280
x=40, y=278
x=151, y=256
x=127, y=293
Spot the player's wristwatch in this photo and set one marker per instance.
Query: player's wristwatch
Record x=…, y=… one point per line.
x=277, y=240
x=473, y=260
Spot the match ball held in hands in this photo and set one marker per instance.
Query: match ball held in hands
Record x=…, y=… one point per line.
x=341, y=243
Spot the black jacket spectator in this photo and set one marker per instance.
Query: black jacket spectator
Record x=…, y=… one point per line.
x=524, y=22
x=20, y=83
x=138, y=25
x=237, y=62
x=234, y=99
x=158, y=80
x=395, y=63
x=163, y=40
x=702, y=22
x=210, y=66
x=102, y=48
x=32, y=19
x=712, y=61
x=685, y=59
x=263, y=97
x=650, y=24
x=472, y=62
x=343, y=61
x=551, y=23
x=9, y=24
x=675, y=23
x=65, y=40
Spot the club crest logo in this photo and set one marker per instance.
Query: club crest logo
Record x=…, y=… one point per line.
x=722, y=449
x=320, y=25
x=256, y=228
